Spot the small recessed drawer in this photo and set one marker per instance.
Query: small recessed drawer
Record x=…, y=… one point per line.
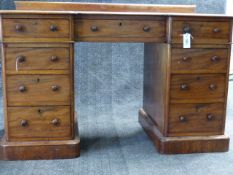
x=27, y=90
x=36, y=28
x=39, y=123
x=110, y=29
x=202, y=31
x=199, y=60
x=36, y=58
x=196, y=119
x=198, y=88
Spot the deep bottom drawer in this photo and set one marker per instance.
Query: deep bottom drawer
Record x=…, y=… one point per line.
x=196, y=119
x=39, y=123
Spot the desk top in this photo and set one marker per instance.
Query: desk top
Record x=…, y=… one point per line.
x=112, y=13
x=77, y=8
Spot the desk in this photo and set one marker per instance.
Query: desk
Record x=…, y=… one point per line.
x=185, y=90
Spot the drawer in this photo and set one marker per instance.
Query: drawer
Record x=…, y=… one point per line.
x=36, y=58
x=199, y=60
x=202, y=31
x=27, y=90
x=196, y=119
x=36, y=28
x=109, y=29
x=39, y=123
x=198, y=88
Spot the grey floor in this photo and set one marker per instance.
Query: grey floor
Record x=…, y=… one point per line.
x=112, y=142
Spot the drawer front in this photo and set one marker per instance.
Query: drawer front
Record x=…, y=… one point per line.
x=26, y=90
x=198, y=88
x=199, y=60
x=196, y=119
x=119, y=29
x=21, y=59
x=39, y=123
x=36, y=28
x=202, y=31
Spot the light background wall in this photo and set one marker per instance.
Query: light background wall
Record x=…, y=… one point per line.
x=109, y=76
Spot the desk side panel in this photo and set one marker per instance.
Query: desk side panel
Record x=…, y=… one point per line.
x=156, y=83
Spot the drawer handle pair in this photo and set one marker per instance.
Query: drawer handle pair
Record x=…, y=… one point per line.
x=186, y=87
x=19, y=28
x=55, y=122
x=23, y=88
x=209, y=117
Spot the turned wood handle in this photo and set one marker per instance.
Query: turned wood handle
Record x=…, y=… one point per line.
x=22, y=88
x=184, y=87
x=210, y=117
x=215, y=58
x=19, y=27
x=187, y=29
x=55, y=122
x=20, y=58
x=94, y=28
x=23, y=123
x=184, y=58
x=212, y=86
x=55, y=87
x=146, y=28
x=54, y=58
x=53, y=28
x=182, y=118
x=216, y=30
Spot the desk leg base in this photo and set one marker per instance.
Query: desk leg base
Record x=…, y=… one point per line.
x=182, y=145
x=35, y=150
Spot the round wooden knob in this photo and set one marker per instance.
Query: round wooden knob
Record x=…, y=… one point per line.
x=20, y=58
x=186, y=58
x=23, y=123
x=53, y=28
x=187, y=29
x=22, y=88
x=55, y=88
x=216, y=30
x=19, y=27
x=182, y=118
x=184, y=87
x=215, y=58
x=94, y=28
x=54, y=58
x=146, y=28
x=212, y=86
x=210, y=117
x=55, y=122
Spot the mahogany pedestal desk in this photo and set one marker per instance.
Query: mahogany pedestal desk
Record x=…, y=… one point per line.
x=185, y=89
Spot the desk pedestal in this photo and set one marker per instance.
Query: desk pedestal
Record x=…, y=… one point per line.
x=182, y=145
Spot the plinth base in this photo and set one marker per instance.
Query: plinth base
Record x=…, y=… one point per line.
x=182, y=145
x=35, y=150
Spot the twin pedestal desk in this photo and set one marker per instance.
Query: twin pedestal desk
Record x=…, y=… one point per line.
x=185, y=89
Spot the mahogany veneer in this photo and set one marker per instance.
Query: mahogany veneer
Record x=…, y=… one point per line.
x=185, y=90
